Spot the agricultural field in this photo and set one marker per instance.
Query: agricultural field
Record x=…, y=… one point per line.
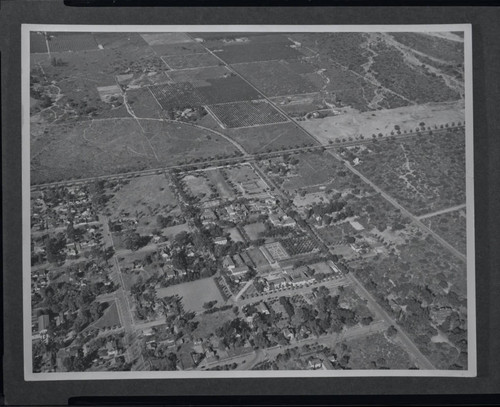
x=277, y=251
x=246, y=114
x=194, y=294
x=165, y=38
x=452, y=227
x=182, y=48
x=117, y=40
x=425, y=173
x=351, y=124
x=68, y=41
x=275, y=78
x=199, y=76
x=190, y=61
x=176, y=95
x=252, y=52
x=298, y=245
x=38, y=43
x=143, y=104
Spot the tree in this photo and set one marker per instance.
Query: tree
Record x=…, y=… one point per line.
x=391, y=331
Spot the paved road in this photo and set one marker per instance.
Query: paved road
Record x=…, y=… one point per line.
x=420, y=358
x=442, y=211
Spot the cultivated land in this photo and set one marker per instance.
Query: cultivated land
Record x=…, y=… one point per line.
x=247, y=201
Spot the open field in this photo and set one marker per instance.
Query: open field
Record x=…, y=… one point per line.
x=38, y=43
x=143, y=198
x=189, y=61
x=257, y=257
x=246, y=180
x=66, y=41
x=117, y=40
x=275, y=78
x=251, y=52
x=94, y=148
x=177, y=95
x=246, y=114
x=254, y=229
x=171, y=231
x=208, y=323
x=182, y=48
x=354, y=124
x=452, y=227
x=165, y=38
x=194, y=294
x=198, y=185
x=143, y=103
x=199, y=76
x=216, y=177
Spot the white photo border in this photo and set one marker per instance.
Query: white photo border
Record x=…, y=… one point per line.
x=26, y=232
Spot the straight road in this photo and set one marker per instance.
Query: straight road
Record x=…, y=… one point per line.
x=442, y=211
x=421, y=359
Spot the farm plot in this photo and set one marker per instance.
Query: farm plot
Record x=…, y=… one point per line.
x=275, y=78
x=199, y=76
x=143, y=103
x=115, y=40
x=178, y=49
x=300, y=105
x=217, y=40
x=228, y=89
x=298, y=245
x=177, y=95
x=66, y=41
x=166, y=38
x=38, y=43
x=194, y=294
x=246, y=114
x=189, y=61
x=251, y=52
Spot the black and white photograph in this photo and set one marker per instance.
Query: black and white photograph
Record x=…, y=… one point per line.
x=247, y=201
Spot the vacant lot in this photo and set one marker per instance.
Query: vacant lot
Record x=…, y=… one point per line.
x=70, y=41
x=246, y=180
x=119, y=40
x=189, y=61
x=263, y=139
x=253, y=230
x=246, y=114
x=251, y=52
x=194, y=294
x=354, y=124
x=199, y=76
x=217, y=179
x=208, y=323
x=109, y=319
x=178, y=49
x=235, y=235
x=144, y=104
x=197, y=184
x=89, y=149
x=143, y=198
x=275, y=78
x=171, y=231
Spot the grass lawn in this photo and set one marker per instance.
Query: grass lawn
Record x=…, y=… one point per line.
x=109, y=319
x=208, y=323
x=254, y=229
x=194, y=293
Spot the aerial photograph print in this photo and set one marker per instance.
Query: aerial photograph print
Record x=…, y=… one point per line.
x=277, y=201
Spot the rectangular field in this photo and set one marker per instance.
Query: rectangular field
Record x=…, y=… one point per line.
x=178, y=49
x=177, y=95
x=38, y=45
x=275, y=78
x=189, y=61
x=60, y=42
x=254, y=229
x=166, y=38
x=251, y=52
x=194, y=294
x=215, y=176
x=295, y=246
x=247, y=114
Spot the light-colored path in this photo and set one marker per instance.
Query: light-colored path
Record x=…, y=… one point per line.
x=442, y=211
